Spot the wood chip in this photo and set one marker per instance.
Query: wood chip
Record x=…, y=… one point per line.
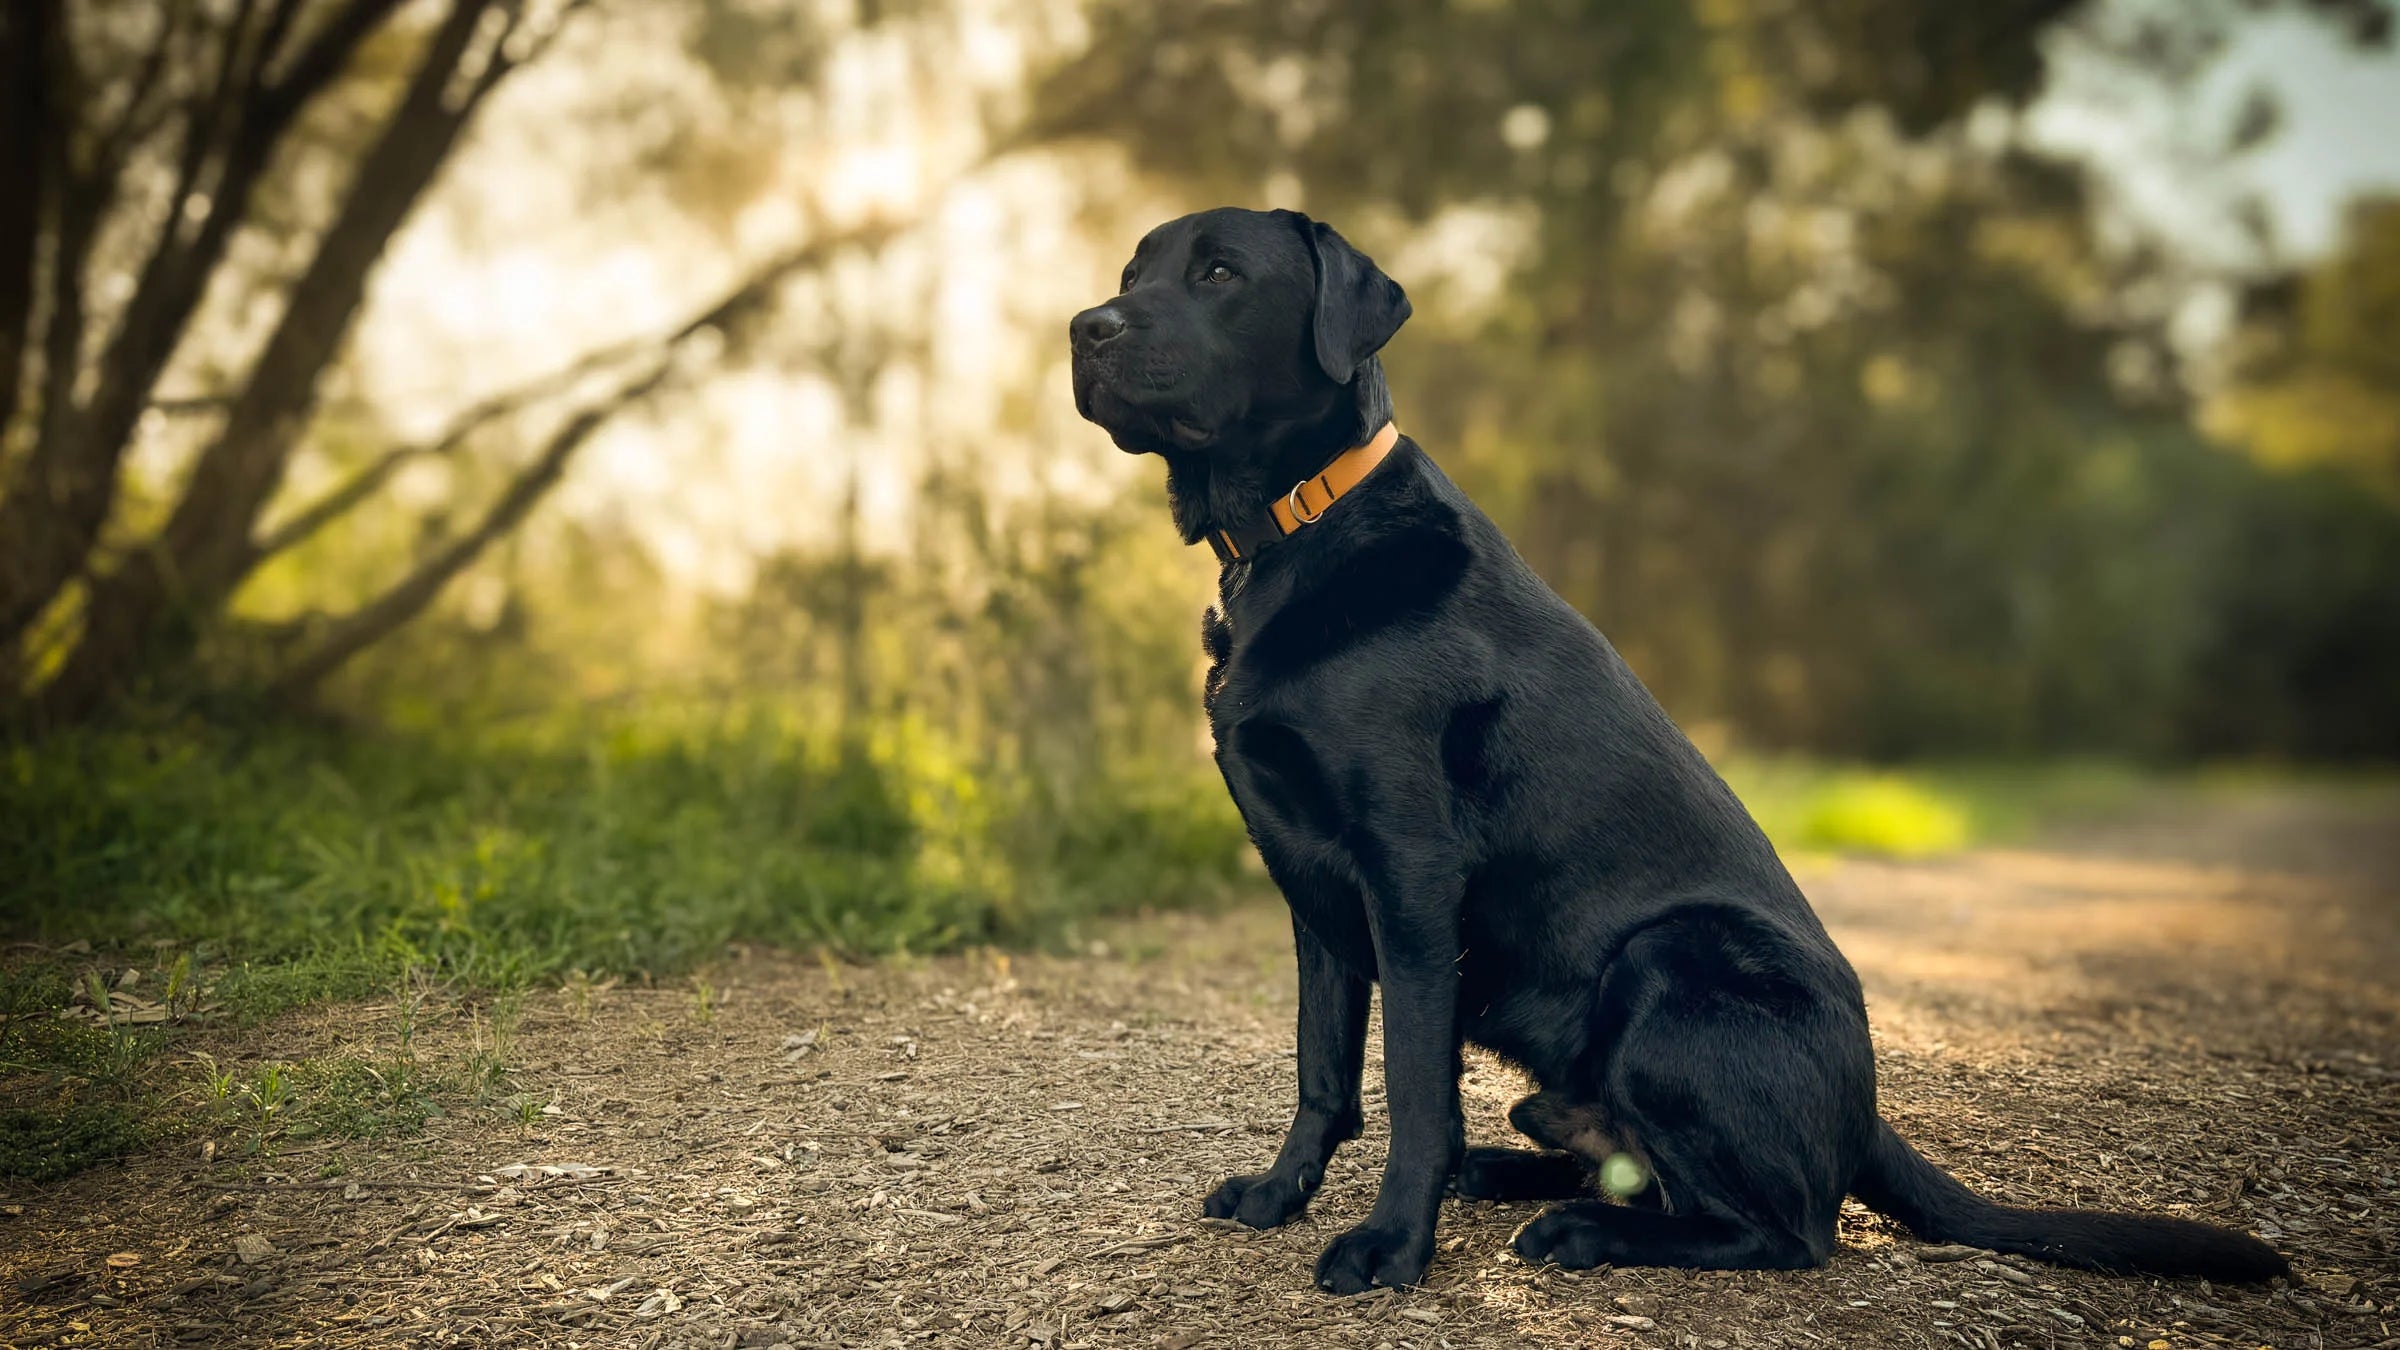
x=965, y=1207
x=1136, y=1246
x=2008, y=1273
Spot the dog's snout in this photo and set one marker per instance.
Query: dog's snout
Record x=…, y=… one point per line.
x=1095, y=326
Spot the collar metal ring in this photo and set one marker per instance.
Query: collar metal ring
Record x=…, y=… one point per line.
x=1299, y=512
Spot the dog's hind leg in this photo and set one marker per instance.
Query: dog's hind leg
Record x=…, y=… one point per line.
x=1579, y=1140
x=1586, y=1233
x=1521, y=1174
x=1556, y=1121
x=1739, y=1078
x=1573, y=1139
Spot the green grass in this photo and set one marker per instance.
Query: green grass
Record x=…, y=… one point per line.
x=302, y=867
x=285, y=867
x=261, y=870
x=78, y=1095
x=383, y=1098
x=49, y=1143
x=254, y=871
x=1810, y=807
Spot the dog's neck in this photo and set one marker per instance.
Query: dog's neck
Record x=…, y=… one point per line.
x=1234, y=482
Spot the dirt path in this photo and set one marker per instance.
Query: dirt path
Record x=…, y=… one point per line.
x=2193, y=1013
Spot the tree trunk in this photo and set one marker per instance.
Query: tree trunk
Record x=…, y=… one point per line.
x=148, y=608
x=236, y=475
x=56, y=501
x=24, y=107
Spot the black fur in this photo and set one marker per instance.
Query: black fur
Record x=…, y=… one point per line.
x=1466, y=795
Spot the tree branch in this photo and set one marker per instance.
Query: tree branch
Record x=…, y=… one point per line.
x=207, y=115
x=251, y=122
x=68, y=485
x=502, y=62
x=324, y=56
x=370, y=479
x=209, y=531
x=361, y=629
x=145, y=97
x=203, y=550
x=270, y=40
x=370, y=623
x=45, y=548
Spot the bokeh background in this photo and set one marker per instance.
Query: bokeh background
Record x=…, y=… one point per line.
x=505, y=488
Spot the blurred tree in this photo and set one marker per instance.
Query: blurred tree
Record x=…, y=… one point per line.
x=154, y=140
x=213, y=99
x=2304, y=645
x=1804, y=375
x=2315, y=359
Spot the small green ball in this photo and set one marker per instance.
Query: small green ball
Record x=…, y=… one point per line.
x=1623, y=1175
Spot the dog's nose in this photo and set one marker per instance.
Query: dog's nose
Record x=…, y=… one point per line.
x=1095, y=326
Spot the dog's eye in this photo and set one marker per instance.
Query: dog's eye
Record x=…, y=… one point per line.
x=1125, y=282
x=1219, y=275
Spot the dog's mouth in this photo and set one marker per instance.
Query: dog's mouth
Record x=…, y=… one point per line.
x=1137, y=427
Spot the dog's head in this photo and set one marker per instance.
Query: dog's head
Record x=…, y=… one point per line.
x=1230, y=325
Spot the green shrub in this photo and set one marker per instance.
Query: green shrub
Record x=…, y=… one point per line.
x=45, y=1144
x=1884, y=814
x=316, y=865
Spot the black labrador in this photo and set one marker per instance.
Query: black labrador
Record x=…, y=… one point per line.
x=1465, y=794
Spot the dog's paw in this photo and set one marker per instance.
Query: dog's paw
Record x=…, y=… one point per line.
x=1368, y=1256
x=1260, y=1200
x=1560, y=1236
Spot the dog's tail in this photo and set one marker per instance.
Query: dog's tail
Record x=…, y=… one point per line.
x=1898, y=1181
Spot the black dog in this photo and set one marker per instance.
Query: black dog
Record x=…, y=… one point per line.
x=1465, y=794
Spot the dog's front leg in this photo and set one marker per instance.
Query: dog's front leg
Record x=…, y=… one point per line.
x=1416, y=952
x=1333, y=1046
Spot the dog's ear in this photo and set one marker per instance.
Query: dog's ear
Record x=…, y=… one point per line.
x=1358, y=307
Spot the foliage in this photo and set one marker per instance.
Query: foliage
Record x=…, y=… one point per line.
x=2316, y=370
x=1765, y=329
x=317, y=865
x=45, y=1145
x=1884, y=815
x=306, y=866
x=1804, y=373
x=1809, y=807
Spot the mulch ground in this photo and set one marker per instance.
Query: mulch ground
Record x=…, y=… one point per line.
x=2192, y=1013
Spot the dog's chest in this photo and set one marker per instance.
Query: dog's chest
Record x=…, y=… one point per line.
x=1267, y=752
x=1289, y=799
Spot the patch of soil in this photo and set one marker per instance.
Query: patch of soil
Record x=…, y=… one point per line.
x=2190, y=1014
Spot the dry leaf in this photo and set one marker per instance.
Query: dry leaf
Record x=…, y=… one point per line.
x=659, y=1304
